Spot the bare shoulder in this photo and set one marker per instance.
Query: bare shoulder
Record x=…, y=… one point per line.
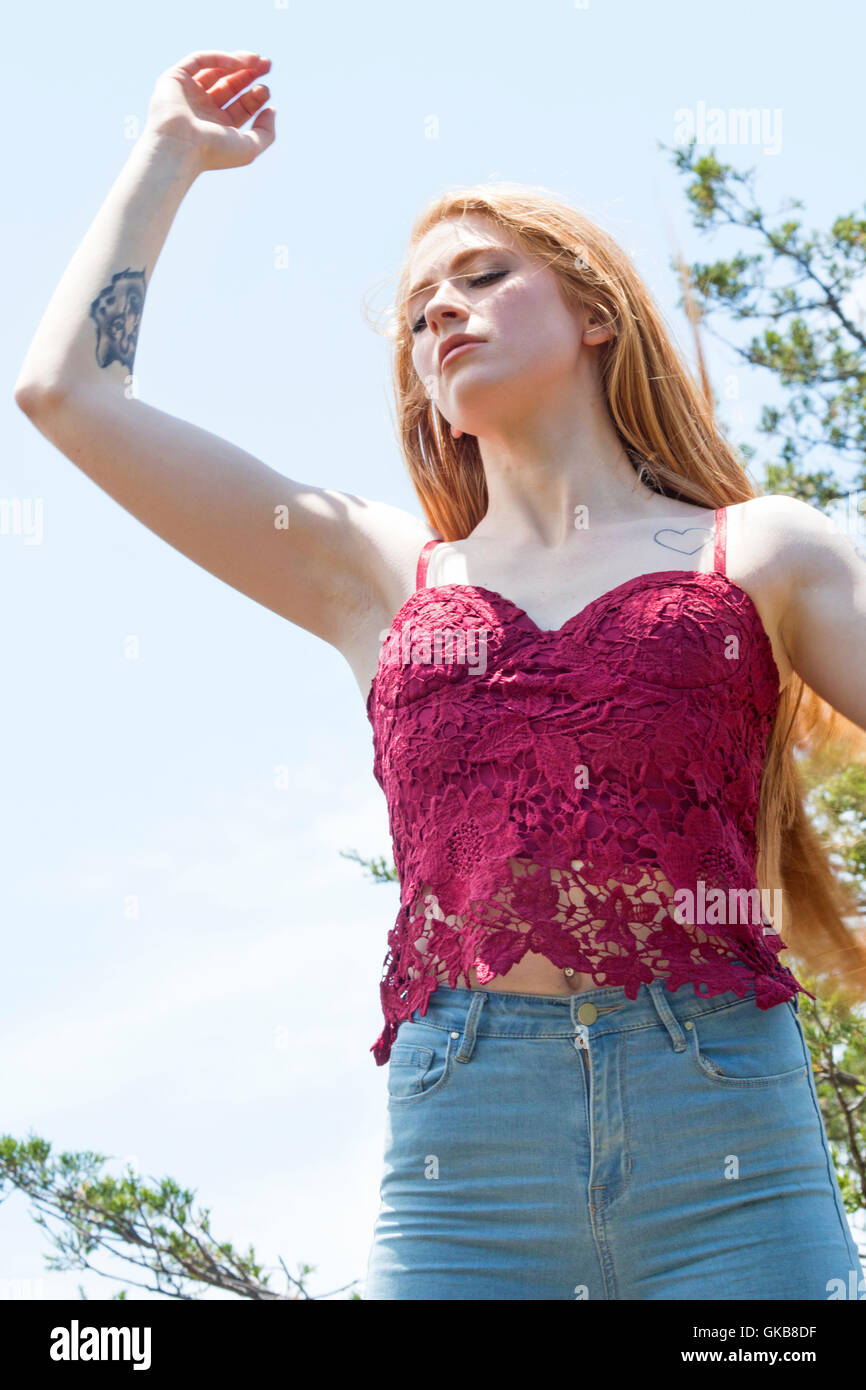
x=786, y=515
x=760, y=558
x=777, y=544
x=789, y=538
x=775, y=533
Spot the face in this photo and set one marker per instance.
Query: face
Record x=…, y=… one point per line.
x=531, y=341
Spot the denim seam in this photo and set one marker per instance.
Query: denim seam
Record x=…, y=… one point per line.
x=602, y=1249
x=622, y=1075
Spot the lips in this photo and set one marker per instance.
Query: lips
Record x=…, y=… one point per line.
x=455, y=341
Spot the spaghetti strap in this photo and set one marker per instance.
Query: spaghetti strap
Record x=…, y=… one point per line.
x=721, y=538
x=423, y=560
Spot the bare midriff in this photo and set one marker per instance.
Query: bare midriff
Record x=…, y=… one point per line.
x=534, y=974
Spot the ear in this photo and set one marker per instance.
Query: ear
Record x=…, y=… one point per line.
x=596, y=332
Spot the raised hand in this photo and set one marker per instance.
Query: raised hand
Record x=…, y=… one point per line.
x=192, y=103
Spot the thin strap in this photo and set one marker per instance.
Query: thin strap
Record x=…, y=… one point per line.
x=423, y=560
x=721, y=538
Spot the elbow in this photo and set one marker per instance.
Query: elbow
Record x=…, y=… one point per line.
x=35, y=399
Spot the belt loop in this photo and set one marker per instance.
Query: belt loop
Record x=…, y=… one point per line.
x=467, y=1042
x=656, y=992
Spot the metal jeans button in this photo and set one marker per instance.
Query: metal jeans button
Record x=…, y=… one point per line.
x=587, y=1013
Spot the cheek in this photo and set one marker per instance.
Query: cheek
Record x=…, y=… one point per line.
x=422, y=361
x=540, y=344
x=551, y=335
x=529, y=314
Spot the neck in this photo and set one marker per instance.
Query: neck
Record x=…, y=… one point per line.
x=541, y=468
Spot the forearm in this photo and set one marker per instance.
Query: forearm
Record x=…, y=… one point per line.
x=88, y=335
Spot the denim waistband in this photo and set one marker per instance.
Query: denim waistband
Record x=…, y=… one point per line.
x=593, y=1012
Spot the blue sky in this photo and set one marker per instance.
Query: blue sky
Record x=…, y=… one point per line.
x=191, y=968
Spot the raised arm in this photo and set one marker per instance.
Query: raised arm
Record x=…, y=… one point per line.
x=330, y=562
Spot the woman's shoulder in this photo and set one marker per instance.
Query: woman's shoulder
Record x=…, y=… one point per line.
x=777, y=528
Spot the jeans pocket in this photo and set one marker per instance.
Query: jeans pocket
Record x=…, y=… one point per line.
x=420, y=1063
x=744, y=1046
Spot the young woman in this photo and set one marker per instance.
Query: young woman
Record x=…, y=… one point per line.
x=585, y=672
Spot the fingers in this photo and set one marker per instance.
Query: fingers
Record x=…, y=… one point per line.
x=208, y=77
x=227, y=87
x=241, y=110
x=227, y=62
x=262, y=132
x=221, y=86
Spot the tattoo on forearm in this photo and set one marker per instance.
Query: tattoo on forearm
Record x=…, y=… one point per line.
x=116, y=311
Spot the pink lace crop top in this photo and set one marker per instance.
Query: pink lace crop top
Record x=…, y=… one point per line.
x=551, y=791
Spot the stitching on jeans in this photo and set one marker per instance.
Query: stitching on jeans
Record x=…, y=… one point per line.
x=711, y=1071
x=402, y=1101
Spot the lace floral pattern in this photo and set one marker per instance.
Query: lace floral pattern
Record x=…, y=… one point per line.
x=554, y=793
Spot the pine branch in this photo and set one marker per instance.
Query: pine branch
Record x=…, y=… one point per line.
x=149, y=1227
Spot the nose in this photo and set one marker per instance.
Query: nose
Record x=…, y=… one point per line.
x=442, y=307
x=438, y=318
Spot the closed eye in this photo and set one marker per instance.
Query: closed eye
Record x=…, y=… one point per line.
x=476, y=280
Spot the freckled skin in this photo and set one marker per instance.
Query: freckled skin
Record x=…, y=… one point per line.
x=116, y=311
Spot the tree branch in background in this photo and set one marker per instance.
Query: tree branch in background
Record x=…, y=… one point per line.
x=803, y=287
x=152, y=1228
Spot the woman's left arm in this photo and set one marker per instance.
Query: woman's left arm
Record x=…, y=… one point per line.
x=823, y=619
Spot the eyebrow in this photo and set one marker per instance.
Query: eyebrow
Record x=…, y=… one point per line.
x=461, y=259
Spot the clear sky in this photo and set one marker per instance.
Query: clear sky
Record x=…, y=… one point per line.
x=191, y=969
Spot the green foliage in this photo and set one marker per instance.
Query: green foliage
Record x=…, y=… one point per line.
x=795, y=287
x=836, y=1036
x=152, y=1227
x=379, y=870
x=838, y=806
